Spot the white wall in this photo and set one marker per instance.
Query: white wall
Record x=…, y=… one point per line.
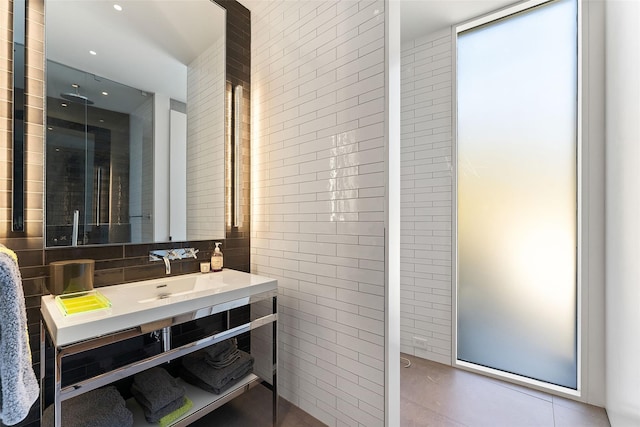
x=427, y=197
x=177, y=175
x=623, y=212
x=206, y=148
x=427, y=246
x=592, y=267
x=318, y=199
x=161, y=108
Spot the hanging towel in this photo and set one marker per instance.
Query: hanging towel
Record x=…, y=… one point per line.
x=18, y=385
x=103, y=407
x=4, y=249
x=155, y=388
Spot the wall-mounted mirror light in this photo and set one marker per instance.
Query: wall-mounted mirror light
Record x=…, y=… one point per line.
x=237, y=156
x=17, y=205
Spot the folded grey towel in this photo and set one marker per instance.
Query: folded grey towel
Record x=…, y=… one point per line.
x=103, y=407
x=220, y=351
x=155, y=388
x=223, y=362
x=18, y=384
x=154, y=417
x=197, y=371
x=190, y=378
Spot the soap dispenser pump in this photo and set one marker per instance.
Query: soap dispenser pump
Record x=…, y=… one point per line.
x=217, y=258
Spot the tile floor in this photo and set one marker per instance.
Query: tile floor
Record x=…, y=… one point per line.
x=253, y=409
x=433, y=394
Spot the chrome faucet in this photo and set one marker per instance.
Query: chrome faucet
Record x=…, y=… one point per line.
x=167, y=264
x=167, y=255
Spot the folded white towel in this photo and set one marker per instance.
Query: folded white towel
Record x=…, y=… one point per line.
x=18, y=385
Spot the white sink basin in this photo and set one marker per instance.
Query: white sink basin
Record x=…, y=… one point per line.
x=174, y=287
x=140, y=303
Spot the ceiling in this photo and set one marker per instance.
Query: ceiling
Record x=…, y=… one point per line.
x=423, y=17
x=156, y=39
x=164, y=35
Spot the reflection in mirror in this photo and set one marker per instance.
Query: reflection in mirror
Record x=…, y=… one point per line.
x=89, y=148
x=135, y=121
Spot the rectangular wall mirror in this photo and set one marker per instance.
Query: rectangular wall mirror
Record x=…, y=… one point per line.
x=135, y=134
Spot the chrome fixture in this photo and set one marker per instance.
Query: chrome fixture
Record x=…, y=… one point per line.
x=74, y=231
x=76, y=97
x=191, y=252
x=168, y=255
x=167, y=264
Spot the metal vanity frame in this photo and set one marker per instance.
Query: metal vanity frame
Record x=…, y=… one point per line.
x=168, y=354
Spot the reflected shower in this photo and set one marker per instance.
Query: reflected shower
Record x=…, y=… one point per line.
x=76, y=97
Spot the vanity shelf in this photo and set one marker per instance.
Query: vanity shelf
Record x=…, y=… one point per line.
x=202, y=401
x=213, y=297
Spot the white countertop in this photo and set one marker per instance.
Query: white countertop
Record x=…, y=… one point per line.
x=138, y=303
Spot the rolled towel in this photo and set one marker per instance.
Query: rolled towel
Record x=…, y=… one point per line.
x=103, y=407
x=173, y=417
x=155, y=388
x=198, y=372
x=154, y=417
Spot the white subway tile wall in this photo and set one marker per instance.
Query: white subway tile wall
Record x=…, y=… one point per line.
x=427, y=185
x=205, y=129
x=318, y=193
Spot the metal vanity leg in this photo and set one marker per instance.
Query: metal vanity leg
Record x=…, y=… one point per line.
x=57, y=386
x=43, y=358
x=274, y=382
x=166, y=338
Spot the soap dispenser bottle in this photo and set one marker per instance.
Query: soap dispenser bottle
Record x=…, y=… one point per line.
x=216, y=258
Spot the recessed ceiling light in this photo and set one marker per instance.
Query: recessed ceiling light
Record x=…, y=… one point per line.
x=64, y=104
x=117, y=7
x=101, y=120
x=105, y=93
x=92, y=52
x=49, y=128
x=75, y=85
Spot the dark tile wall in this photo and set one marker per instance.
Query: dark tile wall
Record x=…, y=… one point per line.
x=116, y=263
x=239, y=73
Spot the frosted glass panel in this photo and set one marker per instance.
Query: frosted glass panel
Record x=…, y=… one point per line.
x=517, y=92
